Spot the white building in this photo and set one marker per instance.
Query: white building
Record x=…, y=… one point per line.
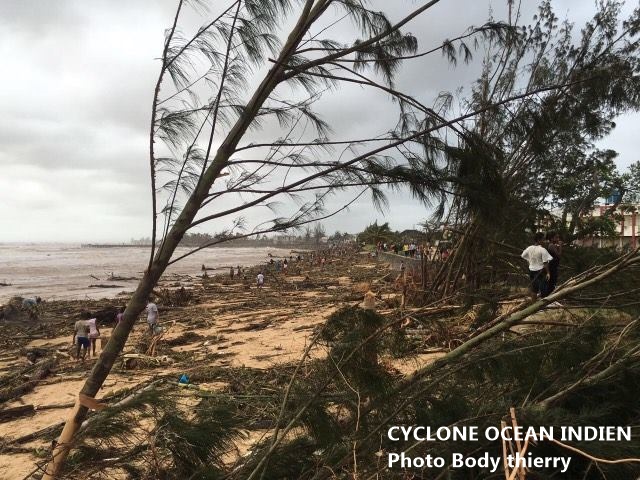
x=627, y=220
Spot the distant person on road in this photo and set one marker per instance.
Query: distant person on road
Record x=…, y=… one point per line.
x=94, y=334
x=538, y=258
x=31, y=306
x=152, y=316
x=555, y=250
x=81, y=337
x=260, y=280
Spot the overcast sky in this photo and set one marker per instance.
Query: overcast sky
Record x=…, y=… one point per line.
x=76, y=92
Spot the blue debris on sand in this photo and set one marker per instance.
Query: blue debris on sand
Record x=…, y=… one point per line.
x=184, y=379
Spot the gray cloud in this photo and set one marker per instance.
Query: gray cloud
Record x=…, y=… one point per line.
x=78, y=79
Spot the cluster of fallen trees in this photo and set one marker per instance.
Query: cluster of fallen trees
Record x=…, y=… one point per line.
x=328, y=415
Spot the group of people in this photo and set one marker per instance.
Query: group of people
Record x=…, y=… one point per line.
x=281, y=265
x=543, y=258
x=85, y=336
x=408, y=249
x=231, y=271
x=284, y=264
x=86, y=331
x=319, y=258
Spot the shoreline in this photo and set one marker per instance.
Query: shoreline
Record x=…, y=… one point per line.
x=65, y=272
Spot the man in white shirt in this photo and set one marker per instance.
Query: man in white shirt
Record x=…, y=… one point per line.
x=260, y=280
x=538, y=258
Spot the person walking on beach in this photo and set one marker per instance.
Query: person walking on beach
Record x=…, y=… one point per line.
x=152, y=316
x=94, y=334
x=120, y=315
x=555, y=250
x=81, y=337
x=260, y=280
x=538, y=258
x=285, y=266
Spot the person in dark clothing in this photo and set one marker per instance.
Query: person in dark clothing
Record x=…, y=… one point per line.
x=555, y=250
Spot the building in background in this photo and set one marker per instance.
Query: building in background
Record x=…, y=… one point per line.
x=626, y=221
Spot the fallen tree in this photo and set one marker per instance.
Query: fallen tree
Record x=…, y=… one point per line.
x=202, y=143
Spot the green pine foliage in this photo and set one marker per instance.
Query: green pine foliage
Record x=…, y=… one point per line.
x=349, y=399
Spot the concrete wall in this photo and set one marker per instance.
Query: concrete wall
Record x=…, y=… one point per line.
x=412, y=265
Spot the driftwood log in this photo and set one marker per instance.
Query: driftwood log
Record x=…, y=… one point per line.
x=9, y=414
x=57, y=427
x=43, y=369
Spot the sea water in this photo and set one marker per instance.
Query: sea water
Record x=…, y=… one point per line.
x=65, y=271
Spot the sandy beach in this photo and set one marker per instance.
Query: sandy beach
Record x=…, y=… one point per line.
x=226, y=324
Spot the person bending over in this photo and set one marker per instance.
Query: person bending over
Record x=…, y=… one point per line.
x=31, y=306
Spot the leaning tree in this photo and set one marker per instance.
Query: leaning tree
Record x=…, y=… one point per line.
x=267, y=63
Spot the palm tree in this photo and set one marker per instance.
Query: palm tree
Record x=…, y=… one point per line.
x=375, y=233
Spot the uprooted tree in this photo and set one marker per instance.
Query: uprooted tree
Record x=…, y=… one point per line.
x=201, y=171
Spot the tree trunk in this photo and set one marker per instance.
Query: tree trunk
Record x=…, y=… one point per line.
x=150, y=278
